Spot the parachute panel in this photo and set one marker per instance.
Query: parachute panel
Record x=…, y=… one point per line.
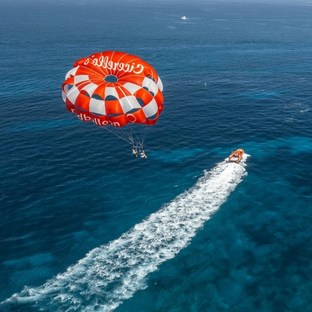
x=129, y=103
x=150, y=109
x=97, y=107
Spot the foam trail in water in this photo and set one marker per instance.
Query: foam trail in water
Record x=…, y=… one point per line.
x=114, y=272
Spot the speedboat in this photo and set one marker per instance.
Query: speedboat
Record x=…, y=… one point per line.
x=236, y=155
x=183, y=17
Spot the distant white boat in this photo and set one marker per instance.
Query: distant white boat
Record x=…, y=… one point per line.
x=183, y=17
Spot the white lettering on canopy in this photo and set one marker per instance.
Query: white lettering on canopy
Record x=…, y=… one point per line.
x=105, y=63
x=97, y=121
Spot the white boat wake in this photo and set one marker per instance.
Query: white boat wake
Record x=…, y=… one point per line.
x=112, y=273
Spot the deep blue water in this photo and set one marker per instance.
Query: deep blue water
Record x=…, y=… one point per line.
x=87, y=227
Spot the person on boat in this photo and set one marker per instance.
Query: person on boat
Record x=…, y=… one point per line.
x=143, y=154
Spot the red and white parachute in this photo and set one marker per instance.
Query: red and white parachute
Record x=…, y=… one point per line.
x=116, y=90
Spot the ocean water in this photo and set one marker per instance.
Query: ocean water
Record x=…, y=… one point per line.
x=85, y=226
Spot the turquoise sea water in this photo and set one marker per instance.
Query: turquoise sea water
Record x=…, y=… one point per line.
x=87, y=227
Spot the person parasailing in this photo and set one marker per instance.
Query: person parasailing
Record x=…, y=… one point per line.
x=134, y=152
x=143, y=155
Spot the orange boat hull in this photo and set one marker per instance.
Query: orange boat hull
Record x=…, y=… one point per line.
x=237, y=154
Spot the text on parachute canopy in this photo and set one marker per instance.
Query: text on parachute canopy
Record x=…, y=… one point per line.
x=131, y=118
x=105, y=63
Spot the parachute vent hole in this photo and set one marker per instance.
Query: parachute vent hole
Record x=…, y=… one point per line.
x=140, y=101
x=150, y=92
x=97, y=114
x=114, y=115
x=152, y=117
x=82, y=109
x=97, y=97
x=133, y=110
x=111, y=78
x=151, y=78
x=70, y=86
x=85, y=93
x=110, y=98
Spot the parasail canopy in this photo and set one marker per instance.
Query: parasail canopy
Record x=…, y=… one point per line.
x=114, y=89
